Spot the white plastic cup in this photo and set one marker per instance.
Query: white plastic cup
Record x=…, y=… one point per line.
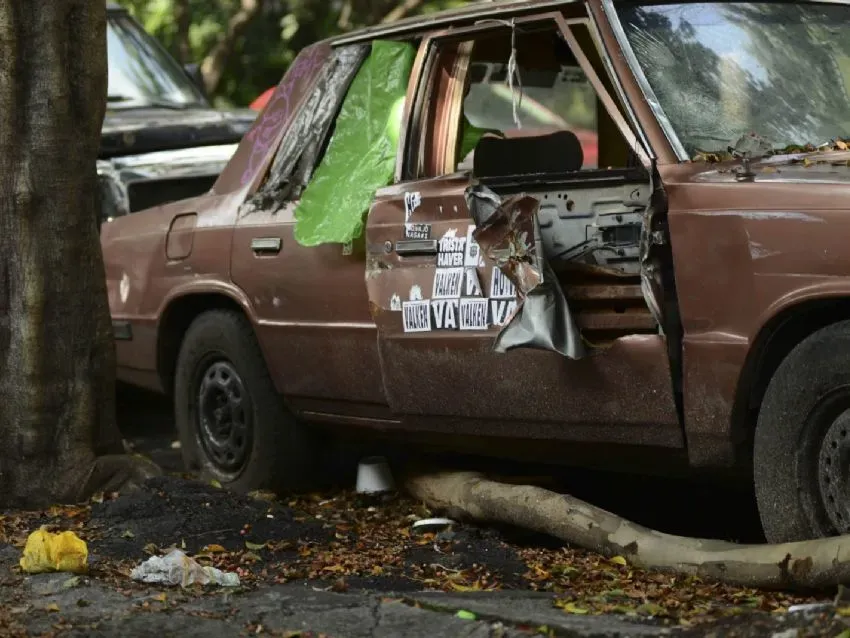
x=374, y=476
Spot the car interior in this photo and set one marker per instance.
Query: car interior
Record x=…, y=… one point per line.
x=548, y=135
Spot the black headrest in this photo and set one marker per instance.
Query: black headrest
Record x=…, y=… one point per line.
x=555, y=153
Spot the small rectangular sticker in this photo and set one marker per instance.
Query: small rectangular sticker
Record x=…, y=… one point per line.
x=473, y=314
x=416, y=316
x=448, y=283
x=417, y=231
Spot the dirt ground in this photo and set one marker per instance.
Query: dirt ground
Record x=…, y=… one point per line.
x=360, y=558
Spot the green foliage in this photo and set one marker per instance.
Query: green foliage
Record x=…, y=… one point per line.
x=271, y=41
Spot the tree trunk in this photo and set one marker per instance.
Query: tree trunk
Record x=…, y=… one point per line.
x=807, y=564
x=183, y=20
x=57, y=398
x=402, y=10
x=215, y=63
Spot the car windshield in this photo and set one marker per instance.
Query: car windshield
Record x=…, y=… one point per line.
x=142, y=73
x=723, y=70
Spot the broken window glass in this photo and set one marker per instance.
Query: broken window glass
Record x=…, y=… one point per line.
x=723, y=70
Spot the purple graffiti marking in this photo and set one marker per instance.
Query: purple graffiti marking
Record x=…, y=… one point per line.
x=280, y=108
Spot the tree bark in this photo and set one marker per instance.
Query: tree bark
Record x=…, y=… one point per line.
x=404, y=9
x=183, y=20
x=213, y=66
x=807, y=564
x=57, y=398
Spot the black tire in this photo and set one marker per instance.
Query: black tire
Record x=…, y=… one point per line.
x=278, y=451
x=801, y=456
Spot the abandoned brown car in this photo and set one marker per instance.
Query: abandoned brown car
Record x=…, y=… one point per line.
x=587, y=232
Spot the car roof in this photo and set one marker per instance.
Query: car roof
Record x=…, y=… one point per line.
x=473, y=11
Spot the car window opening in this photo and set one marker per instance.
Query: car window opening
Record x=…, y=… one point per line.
x=570, y=156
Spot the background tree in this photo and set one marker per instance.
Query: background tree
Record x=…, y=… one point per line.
x=58, y=437
x=244, y=46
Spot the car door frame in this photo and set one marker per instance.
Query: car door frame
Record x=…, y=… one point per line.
x=410, y=361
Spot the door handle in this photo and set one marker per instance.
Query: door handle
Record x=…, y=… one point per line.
x=266, y=245
x=416, y=247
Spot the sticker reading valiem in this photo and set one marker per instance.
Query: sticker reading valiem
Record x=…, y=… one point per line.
x=416, y=316
x=448, y=283
x=473, y=314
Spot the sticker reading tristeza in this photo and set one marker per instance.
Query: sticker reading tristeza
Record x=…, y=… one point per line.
x=448, y=283
x=473, y=314
x=416, y=316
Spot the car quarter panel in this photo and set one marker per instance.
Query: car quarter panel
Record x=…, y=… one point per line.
x=142, y=278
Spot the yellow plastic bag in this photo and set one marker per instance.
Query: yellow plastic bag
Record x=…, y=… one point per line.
x=50, y=552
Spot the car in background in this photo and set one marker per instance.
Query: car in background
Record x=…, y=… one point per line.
x=161, y=139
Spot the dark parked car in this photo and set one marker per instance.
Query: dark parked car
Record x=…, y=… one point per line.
x=403, y=246
x=161, y=141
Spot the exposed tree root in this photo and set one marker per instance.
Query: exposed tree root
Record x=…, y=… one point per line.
x=118, y=473
x=807, y=564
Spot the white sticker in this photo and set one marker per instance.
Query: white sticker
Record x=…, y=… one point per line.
x=473, y=314
x=412, y=201
x=415, y=293
x=471, y=286
x=448, y=283
x=395, y=303
x=472, y=256
x=347, y=248
x=445, y=314
x=452, y=250
x=417, y=231
x=501, y=310
x=500, y=286
x=416, y=316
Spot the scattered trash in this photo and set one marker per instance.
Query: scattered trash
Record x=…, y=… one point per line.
x=176, y=568
x=797, y=609
x=54, y=552
x=374, y=476
x=466, y=615
x=432, y=524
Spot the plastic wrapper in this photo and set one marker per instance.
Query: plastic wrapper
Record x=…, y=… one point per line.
x=176, y=568
x=361, y=154
x=54, y=552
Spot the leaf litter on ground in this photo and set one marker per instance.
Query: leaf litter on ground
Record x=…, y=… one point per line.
x=344, y=541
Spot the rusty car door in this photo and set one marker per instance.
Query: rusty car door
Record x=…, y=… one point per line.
x=312, y=311
x=440, y=303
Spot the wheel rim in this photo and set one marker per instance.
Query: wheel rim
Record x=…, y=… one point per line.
x=823, y=467
x=834, y=473
x=224, y=416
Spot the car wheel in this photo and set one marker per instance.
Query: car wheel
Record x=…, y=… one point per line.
x=232, y=422
x=801, y=456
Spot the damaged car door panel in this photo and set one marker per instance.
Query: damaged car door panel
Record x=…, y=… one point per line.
x=514, y=229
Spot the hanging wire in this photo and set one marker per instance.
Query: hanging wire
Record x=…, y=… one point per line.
x=513, y=72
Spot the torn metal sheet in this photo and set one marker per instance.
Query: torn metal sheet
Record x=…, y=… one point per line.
x=296, y=156
x=509, y=234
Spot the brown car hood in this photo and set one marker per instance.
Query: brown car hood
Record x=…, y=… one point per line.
x=831, y=167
